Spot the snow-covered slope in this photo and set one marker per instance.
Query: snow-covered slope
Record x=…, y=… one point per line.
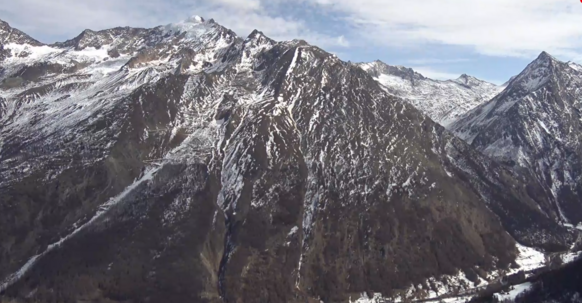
x=536, y=124
x=79, y=84
x=443, y=101
x=185, y=164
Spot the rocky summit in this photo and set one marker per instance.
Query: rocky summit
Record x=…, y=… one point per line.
x=535, y=125
x=183, y=163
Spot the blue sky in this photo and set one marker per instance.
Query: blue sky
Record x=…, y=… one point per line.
x=490, y=39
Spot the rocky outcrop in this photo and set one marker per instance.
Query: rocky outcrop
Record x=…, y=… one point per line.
x=534, y=125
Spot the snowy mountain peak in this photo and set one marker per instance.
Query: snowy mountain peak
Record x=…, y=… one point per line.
x=9, y=34
x=119, y=40
x=544, y=60
x=87, y=32
x=195, y=19
x=469, y=81
x=535, y=124
x=466, y=78
x=256, y=35
x=443, y=101
x=538, y=73
x=377, y=68
x=544, y=56
x=257, y=38
x=84, y=39
x=187, y=26
x=195, y=28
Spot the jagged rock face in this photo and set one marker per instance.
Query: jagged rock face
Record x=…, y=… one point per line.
x=2, y=107
x=442, y=101
x=125, y=38
x=203, y=167
x=536, y=124
x=379, y=68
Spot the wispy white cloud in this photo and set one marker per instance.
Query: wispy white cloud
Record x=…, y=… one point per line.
x=246, y=5
x=432, y=73
x=423, y=61
x=276, y=27
x=492, y=27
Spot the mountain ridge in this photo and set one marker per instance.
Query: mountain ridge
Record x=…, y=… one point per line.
x=532, y=125
x=442, y=100
x=9, y=34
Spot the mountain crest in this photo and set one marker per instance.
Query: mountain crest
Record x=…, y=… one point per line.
x=255, y=34
x=545, y=56
x=377, y=68
x=543, y=60
x=443, y=101
x=469, y=81
x=465, y=78
x=257, y=38
x=84, y=37
x=530, y=125
x=9, y=34
x=97, y=39
x=543, y=69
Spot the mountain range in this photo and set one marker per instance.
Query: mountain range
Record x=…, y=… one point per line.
x=183, y=163
x=443, y=101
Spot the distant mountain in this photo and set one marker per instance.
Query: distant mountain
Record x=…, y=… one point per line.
x=183, y=163
x=12, y=36
x=443, y=101
x=535, y=124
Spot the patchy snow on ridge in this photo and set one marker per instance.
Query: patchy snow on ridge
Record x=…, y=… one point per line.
x=534, y=124
x=457, y=289
x=442, y=101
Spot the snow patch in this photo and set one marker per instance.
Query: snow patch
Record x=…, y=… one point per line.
x=514, y=291
x=529, y=258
